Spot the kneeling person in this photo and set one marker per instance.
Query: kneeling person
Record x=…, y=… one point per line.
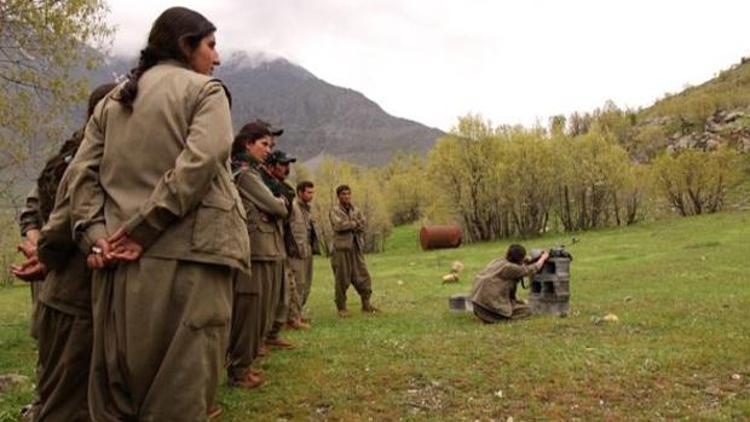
x=494, y=291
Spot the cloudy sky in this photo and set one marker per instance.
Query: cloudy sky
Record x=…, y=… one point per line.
x=512, y=61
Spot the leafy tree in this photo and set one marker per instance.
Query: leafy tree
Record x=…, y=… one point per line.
x=495, y=182
x=696, y=182
x=592, y=171
x=631, y=195
x=617, y=122
x=578, y=124
x=557, y=125
x=299, y=173
x=463, y=169
x=44, y=45
x=406, y=188
x=529, y=177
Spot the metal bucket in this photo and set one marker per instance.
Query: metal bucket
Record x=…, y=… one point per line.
x=460, y=303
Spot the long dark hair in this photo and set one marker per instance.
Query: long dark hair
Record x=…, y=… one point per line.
x=248, y=134
x=174, y=35
x=55, y=167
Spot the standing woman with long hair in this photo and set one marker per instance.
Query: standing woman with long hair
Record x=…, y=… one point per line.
x=255, y=297
x=154, y=207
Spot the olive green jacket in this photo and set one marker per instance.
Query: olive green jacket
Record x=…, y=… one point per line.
x=348, y=227
x=265, y=214
x=67, y=285
x=303, y=229
x=161, y=171
x=494, y=285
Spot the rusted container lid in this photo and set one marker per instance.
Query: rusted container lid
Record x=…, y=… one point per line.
x=440, y=236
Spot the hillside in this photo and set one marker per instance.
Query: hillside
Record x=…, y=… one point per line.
x=729, y=90
x=318, y=118
x=714, y=113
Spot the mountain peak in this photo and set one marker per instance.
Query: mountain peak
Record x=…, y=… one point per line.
x=317, y=117
x=239, y=61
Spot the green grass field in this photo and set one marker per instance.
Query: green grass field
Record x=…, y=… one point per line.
x=680, y=287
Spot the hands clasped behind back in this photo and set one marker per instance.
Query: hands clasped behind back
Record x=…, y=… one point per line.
x=117, y=248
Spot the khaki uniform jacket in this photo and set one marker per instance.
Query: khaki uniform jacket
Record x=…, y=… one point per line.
x=67, y=286
x=348, y=227
x=302, y=228
x=494, y=285
x=177, y=199
x=265, y=214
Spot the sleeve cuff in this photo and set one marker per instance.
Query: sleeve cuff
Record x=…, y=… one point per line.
x=92, y=233
x=54, y=255
x=145, y=231
x=26, y=227
x=140, y=231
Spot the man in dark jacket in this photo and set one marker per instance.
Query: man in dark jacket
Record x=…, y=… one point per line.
x=289, y=308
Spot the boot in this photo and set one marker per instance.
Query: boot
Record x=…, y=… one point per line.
x=248, y=382
x=263, y=351
x=214, y=412
x=297, y=324
x=367, y=306
x=280, y=343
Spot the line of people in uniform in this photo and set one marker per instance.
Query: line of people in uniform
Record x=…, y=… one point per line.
x=169, y=249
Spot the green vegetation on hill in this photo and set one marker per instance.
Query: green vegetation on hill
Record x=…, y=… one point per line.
x=680, y=350
x=729, y=90
x=706, y=117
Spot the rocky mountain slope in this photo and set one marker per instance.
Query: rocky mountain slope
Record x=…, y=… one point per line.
x=706, y=116
x=318, y=118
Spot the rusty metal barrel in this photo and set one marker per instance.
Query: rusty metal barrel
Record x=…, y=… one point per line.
x=440, y=236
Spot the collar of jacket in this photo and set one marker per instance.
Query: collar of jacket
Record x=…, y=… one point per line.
x=244, y=159
x=174, y=63
x=271, y=182
x=348, y=209
x=304, y=205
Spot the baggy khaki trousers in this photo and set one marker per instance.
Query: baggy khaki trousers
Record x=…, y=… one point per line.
x=160, y=336
x=349, y=268
x=303, y=273
x=64, y=360
x=270, y=275
x=245, y=335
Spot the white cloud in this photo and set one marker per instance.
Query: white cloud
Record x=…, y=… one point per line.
x=512, y=61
